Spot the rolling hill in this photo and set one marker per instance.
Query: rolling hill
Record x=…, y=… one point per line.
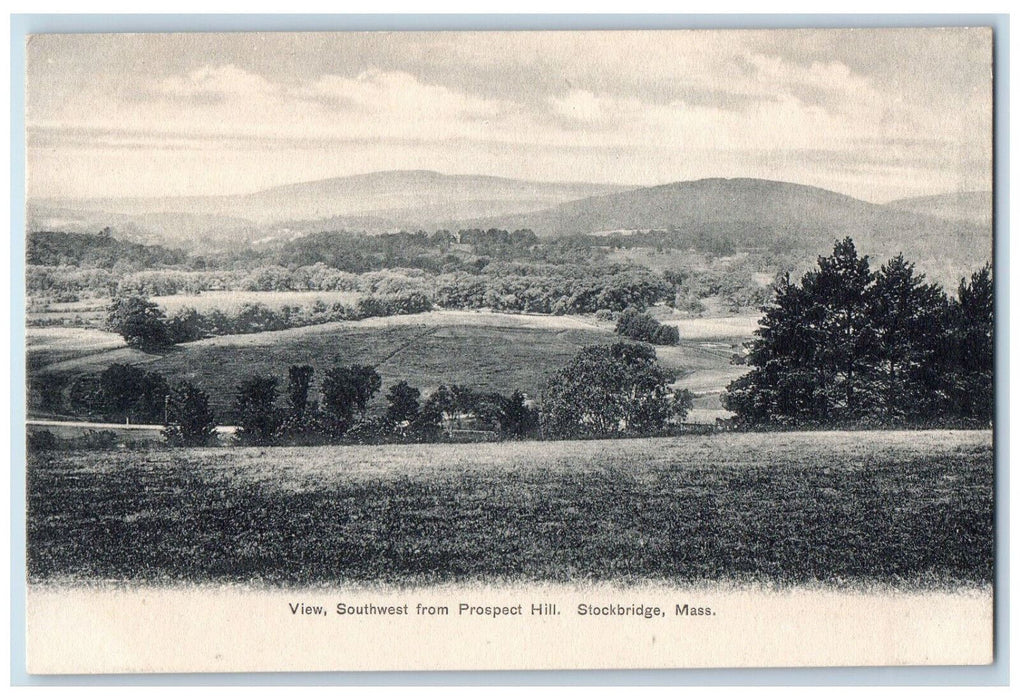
x=946, y=235
x=373, y=202
x=750, y=213
x=972, y=207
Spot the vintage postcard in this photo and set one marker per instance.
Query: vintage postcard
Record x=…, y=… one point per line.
x=509, y=350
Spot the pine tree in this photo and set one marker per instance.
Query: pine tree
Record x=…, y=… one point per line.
x=909, y=318
x=972, y=328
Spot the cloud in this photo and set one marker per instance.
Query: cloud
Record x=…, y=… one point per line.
x=637, y=107
x=219, y=82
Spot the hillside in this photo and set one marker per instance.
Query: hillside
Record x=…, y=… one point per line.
x=748, y=213
x=972, y=207
x=374, y=202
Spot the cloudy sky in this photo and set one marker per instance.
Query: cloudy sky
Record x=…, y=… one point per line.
x=877, y=114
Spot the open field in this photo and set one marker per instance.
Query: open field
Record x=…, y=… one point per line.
x=46, y=347
x=484, y=350
x=896, y=508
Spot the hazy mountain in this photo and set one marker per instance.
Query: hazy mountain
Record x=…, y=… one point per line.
x=760, y=213
x=973, y=207
x=374, y=201
x=712, y=214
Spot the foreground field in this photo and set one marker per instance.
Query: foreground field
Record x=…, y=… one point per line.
x=899, y=508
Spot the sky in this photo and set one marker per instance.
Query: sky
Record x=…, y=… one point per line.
x=878, y=114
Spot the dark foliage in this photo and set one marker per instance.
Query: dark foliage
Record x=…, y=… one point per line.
x=402, y=403
x=299, y=383
x=140, y=322
x=847, y=346
x=611, y=389
x=346, y=390
x=255, y=407
x=517, y=418
x=96, y=251
x=639, y=326
x=189, y=420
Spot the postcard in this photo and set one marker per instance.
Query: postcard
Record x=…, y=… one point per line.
x=509, y=350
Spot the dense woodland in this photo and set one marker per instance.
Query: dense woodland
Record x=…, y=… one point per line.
x=497, y=269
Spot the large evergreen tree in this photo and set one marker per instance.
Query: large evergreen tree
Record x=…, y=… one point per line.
x=971, y=346
x=846, y=346
x=909, y=318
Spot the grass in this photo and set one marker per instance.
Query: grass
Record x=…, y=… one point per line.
x=890, y=508
x=486, y=351
x=49, y=346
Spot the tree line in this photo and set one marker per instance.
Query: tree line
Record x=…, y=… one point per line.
x=852, y=346
x=513, y=271
x=616, y=390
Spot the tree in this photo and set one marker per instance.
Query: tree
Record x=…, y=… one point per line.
x=845, y=345
x=639, y=326
x=516, y=418
x=122, y=386
x=255, y=406
x=909, y=317
x=299, y=382
x=346, y=389
x=185, y=326
x=151, y=404
x=427, y=425
x=188, y=418
x=971, y=347
x=815, y=348
x=85, y=396
x=140, y=322
x=403, y=403
x=610, y=389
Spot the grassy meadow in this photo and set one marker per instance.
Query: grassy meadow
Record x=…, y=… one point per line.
x=891, y=508
x=486, y=351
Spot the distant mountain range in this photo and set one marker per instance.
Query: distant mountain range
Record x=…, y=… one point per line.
x=374, y=202
x=741, y=211
x=972, y=207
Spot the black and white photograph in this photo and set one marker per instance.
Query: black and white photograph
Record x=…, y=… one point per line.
x=496, y=350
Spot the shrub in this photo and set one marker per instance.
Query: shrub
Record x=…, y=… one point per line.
x=38, y=440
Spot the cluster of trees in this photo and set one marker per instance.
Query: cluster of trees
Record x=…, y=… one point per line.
x=499, y=269
x=145, y=326
x=342, y=414
x=121, y=393
x=604, y=391
x=69, y=282
x=849, y=346
x=54, y=248
x=552, y=289
x=436, y=252
x=125, y=393
x=640, y=326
